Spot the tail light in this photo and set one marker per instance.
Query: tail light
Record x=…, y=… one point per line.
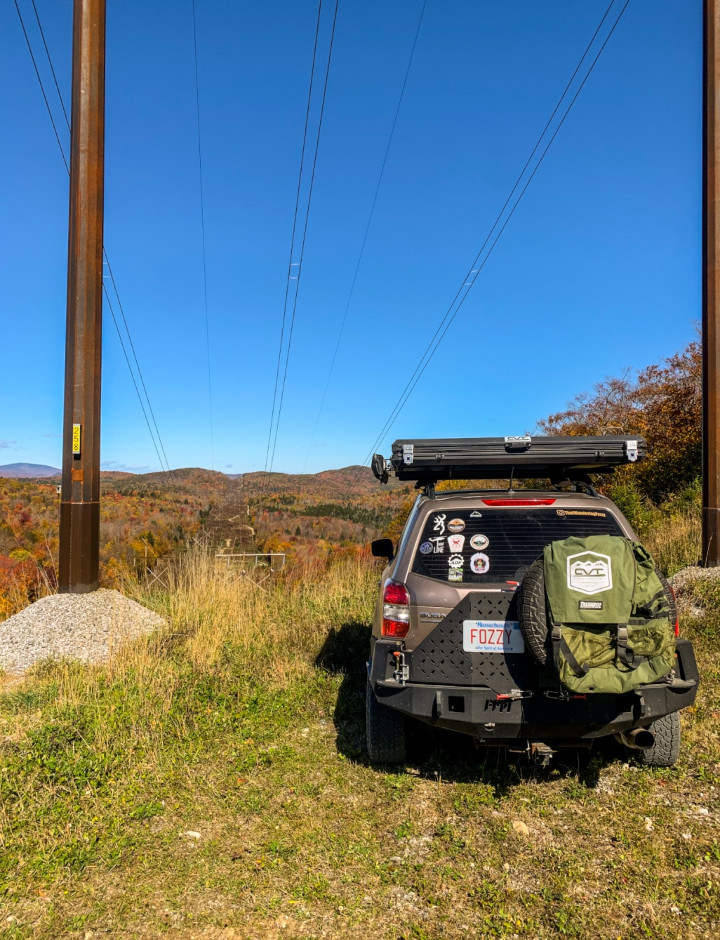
x=396, y=610
x=677, y=618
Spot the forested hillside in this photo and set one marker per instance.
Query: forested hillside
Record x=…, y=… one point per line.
x=148, y=518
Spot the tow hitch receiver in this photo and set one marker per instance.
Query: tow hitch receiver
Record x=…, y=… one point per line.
x=541, y=753
x=402, y=670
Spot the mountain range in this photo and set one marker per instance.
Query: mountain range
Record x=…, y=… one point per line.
x=28, y=470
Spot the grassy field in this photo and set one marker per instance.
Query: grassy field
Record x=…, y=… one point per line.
x=211, y=782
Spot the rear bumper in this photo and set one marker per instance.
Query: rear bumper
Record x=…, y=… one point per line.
x=490, y=714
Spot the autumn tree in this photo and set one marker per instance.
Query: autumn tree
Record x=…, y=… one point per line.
x=662, y=403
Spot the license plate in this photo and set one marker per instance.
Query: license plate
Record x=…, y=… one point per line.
x=492, y=636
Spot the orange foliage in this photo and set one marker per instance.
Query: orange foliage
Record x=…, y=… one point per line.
x=663, y=404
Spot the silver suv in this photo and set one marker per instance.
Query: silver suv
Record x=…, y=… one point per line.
x=447, y=647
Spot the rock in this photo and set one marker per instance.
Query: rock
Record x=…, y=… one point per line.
x=520, y=827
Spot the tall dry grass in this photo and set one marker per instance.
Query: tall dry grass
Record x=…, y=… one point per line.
x=283, y=620
x=674, y=540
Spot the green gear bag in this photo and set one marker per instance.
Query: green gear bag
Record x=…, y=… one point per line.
x=611, y=629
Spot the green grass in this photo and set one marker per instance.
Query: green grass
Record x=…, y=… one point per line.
x=244, y=724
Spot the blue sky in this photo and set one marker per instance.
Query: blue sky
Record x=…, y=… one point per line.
x=598, y=271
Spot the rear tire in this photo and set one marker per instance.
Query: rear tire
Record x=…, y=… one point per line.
x=384, y=730
x=673, y=615
x=532, y=611
x=666, y=749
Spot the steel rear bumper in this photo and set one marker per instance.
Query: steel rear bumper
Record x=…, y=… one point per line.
x=490, y=714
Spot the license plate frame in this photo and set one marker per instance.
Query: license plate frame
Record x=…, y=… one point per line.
x=493, y=636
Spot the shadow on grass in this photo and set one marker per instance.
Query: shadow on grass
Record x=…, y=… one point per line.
x=439, y=754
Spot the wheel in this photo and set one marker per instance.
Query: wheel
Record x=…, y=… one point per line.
x=666, y=749
x=532, y=611
x=384, y=730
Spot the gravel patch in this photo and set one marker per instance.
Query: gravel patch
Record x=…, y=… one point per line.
x=683, y=584
x=84, y=627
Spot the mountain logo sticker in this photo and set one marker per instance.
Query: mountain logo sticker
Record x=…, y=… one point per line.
x=589, y=572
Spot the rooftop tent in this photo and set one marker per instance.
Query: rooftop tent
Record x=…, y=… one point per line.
x=488, y=458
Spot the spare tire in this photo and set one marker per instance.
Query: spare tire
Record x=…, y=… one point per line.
x=532, y=609
x=670, y=596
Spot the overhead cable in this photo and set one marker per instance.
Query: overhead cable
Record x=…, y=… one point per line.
x=292, y=238
x=365, y=234
x=157, y=444
x=477, y=266
x=202, y=228
x=299, y=264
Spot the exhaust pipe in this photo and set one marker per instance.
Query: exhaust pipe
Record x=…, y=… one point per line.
x=639, y=738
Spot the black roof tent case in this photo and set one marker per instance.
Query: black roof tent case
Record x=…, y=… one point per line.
x=490, y=458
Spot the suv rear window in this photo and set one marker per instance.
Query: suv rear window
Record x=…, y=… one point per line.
x=479, y=546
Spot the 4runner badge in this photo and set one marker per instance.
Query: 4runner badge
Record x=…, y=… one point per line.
x=589, y=572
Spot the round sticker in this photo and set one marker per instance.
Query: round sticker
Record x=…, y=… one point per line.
x=455, y=561
x=426, y=548
x=479, y=541
x=479, y=563
x=456, y=525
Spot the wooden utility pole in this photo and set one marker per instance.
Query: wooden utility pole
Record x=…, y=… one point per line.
x=80, y=500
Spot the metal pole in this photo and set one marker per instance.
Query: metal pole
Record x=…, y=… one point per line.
x=80, y=501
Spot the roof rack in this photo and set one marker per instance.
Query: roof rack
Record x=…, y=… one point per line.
x=492, y=458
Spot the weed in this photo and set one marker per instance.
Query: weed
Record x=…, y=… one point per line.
x=206, y=779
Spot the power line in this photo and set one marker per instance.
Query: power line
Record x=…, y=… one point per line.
x=474, y=272
x=202, y=227
x=166, y=467
x=292, y=239
x=134, y=354
x=47, y=53
x=365, y=234
x=132, y=376
x=107, y=262
x=42, y=87
x=305, y=230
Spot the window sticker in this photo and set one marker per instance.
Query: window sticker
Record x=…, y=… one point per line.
x=426, y=548
x=438, y=542
x=456, y=525
x=455, y=561
x=479, y=563
x=479, y=541
x=454, y=574
x=475, y=514
x=439, y=522
x=580, y=512
x=456, y=542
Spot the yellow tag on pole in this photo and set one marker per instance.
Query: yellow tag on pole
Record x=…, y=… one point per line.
x=76, y=439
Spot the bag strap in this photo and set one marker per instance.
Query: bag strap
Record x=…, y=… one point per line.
x=559, y=645
x=628, y=657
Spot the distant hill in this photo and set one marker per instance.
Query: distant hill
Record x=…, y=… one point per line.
x=28, y=470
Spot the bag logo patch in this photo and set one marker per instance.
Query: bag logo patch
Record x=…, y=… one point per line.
x=589, y=572
x=590, y=605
